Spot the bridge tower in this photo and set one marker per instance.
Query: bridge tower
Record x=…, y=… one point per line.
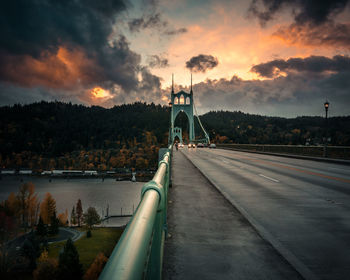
x=181, y=102
x=178, y=133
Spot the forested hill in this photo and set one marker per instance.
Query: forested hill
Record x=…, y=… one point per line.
x=55, y=128
x=51, y=130
x=244, y=128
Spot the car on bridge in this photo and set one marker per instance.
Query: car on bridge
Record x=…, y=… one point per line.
x=212, y=146
x=200, y=145
x=191, y=145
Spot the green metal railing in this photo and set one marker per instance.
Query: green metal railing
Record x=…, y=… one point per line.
x=139, y=252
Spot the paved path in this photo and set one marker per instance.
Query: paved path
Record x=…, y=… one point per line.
x=66, y=233
x=210, y=239
x=302, y=207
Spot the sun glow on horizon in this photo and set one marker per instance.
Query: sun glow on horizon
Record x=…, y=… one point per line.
x=99, y=92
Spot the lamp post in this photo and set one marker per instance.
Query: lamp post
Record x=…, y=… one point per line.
x=326, y=106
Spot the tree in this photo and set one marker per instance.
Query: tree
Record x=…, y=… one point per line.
x=31, y=250
x=27, y=203
x=91, y=217
x=54, y=224
x=96, y=267
x=33, y=208
x=79, y=210
x=63, y=218
x=69, y=266
x=73, y=217
x=47, y=268
x=41, y=228
x=47, y=208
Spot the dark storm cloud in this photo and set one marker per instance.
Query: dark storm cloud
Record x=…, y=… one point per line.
x=314, y=21
x=315, y=11
x=29, y=27
x=152, y=19
x=312, y=64
x=149, y=21
x=157, y=61
x=65, y=44
x=172, y=32
x=290, y=96
x=202, y=63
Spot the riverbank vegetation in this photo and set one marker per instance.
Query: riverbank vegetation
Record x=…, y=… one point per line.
x=30, y=234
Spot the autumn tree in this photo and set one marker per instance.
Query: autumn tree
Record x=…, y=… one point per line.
x=63, y=218
x=96, y=267
x=47, y=268
x=69, y=266
x=79, y=210
x=47, y=208
x=12, y=203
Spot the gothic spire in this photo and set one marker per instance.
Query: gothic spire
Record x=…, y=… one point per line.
x=172, y=85
x=191, y=92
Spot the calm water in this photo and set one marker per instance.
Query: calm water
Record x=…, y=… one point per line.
x=92, y=192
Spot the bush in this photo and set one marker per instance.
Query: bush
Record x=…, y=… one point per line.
x=47, y=268
x=96, y=267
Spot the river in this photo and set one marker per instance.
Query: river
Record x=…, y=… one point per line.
x=120, y=196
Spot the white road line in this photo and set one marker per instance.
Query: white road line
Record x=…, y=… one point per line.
x=225, y=161
x=272, y=179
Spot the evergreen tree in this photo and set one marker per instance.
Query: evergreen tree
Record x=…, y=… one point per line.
x=69, y=266
x=31, y=250
x=79, y=212
x=73, y=217
x=54, y=225
x=41, y=229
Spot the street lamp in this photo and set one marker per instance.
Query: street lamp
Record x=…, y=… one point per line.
x=326, y=106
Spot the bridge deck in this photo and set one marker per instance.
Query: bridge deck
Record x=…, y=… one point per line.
x=209, y=238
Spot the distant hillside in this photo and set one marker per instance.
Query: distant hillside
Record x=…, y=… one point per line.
x=52, y=130
x=244, y=128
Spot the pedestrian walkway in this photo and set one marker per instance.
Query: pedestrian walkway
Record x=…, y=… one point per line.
x=209, y=239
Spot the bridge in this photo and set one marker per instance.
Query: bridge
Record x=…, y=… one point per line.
x=224, y=214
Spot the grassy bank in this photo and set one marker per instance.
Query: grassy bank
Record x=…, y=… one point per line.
x=102, y=240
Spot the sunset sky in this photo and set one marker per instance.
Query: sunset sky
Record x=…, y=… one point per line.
x=278, y=58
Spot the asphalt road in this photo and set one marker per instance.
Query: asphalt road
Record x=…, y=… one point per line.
x=210, y=239
x=302, y=207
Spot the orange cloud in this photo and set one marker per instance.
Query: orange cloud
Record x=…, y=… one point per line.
x=66, y=69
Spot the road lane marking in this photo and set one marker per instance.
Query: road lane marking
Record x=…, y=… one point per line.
x=267, y=177
x=297, y=169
